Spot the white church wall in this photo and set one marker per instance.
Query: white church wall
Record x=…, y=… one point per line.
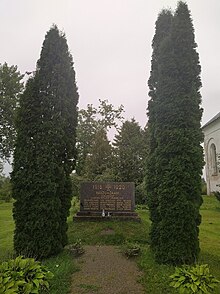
x=212, y=155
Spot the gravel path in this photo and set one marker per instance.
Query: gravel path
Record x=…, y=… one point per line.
x=104, y=270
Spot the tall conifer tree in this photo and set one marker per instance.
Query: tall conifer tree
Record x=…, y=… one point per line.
x=162, y=31
x=45, y=151
x=178, y=154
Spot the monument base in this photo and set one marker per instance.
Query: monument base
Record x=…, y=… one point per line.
x=97, y=216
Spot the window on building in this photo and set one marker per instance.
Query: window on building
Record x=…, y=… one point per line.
x=213, y=160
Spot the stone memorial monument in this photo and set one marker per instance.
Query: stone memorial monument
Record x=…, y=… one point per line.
x=105, y=200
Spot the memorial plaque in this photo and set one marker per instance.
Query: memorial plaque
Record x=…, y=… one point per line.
x=110, y=197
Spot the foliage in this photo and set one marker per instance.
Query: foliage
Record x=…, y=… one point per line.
x=130, y=249
x=141, y=207
x=75, y=206
x=140, y=194
x=162, y=31
x=45, y=152
x=196, y=279
x=100, y=157
x=108, y=175
x=130, y=152
x=76, y=249
x=5, y=188
x=11, y=88
x=23, y=276
x=91, y=121
x=76, y=181
x=175, y=162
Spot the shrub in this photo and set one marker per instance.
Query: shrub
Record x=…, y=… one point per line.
x=195, y=279
x=131, y=249
x=76, y=249
x=140, y=194
x=76, y=182
x=23, y=276
x=141, y=207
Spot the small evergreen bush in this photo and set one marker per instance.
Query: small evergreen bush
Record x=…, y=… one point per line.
x=196, y=279
x=23, y=276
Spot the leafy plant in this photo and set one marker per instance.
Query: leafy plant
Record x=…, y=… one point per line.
x=23, y=276
x=76, y=248
x=195, y=279
x=141, y=207
x=131, y=249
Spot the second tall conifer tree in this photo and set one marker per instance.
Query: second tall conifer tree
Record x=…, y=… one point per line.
x=176, y=158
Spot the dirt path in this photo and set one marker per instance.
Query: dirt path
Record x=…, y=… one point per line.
x=104, y=270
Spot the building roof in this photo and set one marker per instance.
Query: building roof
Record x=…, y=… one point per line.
x=217, y=116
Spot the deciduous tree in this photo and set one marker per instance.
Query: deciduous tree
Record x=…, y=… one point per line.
x=11, y=87
x=91, y=121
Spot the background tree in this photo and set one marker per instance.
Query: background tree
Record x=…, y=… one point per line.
x=11, y=87
x=5, y=188
x=86, y=129
x=177, y=156
x=91, y=121
x=100, y=159
x=45, y=151
x=130, y=150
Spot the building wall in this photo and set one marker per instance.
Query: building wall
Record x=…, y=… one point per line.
x=212, y=155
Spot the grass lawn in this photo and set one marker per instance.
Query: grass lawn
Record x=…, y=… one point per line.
x=155, y=277
x=6, y=230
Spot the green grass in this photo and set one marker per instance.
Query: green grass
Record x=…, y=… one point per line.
x=210, y=236
x=62, y=266
x=210, y=227
x=155, y=277
x=93, y=233
x=6, y=230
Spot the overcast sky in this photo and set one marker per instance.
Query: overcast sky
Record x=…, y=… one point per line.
x=110, y=41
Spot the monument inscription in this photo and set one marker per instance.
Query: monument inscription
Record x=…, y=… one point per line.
x=111, y=197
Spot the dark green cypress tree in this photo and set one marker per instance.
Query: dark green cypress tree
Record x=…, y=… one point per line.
x=162, y=31
x=45, y=151
x=178, y=153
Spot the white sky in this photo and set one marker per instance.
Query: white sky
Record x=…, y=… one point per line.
x=110, y=41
